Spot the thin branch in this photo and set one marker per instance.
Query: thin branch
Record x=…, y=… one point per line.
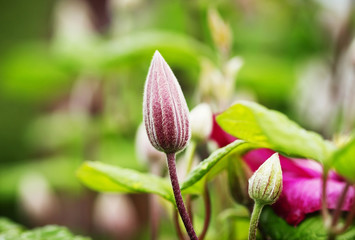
x=348, y=221
x=340, y=203
x=207, y=202
x=349, y=218
x=189, y=208
x=177, y=225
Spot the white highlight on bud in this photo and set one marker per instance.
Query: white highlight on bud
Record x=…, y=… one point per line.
x=265, y=186
x=201, y=122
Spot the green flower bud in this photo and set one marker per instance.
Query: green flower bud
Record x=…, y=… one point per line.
x=265, y=186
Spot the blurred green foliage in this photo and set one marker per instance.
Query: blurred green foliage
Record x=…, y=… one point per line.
x=65, y=101
x=13, y=231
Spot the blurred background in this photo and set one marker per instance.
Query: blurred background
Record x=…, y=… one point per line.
x=72, y=74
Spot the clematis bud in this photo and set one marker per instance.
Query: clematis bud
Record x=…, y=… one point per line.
x=265, y=186
x=165, y=112
x=201, y=122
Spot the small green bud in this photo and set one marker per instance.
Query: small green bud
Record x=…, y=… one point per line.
x=265, y=186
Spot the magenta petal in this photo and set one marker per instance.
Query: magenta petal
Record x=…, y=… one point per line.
x=297, y=167
x=301, y=196
x=302, y=184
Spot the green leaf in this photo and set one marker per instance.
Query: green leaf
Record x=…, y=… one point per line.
x=107, y=178
x=210, y=166
x=50, y=232
x=271, y=129
x=344, y=162
x=13, y=231
x=312, y=228
x=9, y=230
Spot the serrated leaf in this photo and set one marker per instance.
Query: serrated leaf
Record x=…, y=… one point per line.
x=107, y=178
x=213, y=164
x=271, y=129
x=344, y=162
x=312, y=228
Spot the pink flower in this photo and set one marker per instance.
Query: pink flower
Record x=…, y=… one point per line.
x=302, y=182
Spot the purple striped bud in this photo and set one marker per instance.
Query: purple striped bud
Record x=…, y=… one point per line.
x=165, y=112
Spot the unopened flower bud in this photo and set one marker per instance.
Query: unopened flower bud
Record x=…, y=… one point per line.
x=201, y=122
x=165, y=112
x=265, y=186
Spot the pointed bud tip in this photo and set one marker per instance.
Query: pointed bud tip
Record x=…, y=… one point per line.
x=157, y=54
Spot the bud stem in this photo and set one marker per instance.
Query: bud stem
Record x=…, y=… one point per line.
x=178, y=198
x=254, y=220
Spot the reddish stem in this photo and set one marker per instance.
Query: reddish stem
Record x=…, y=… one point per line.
x=177, y=225
x=349, y=218
x=340, y=204
x=178, y=198
x=189, y=208
x=207, y=202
